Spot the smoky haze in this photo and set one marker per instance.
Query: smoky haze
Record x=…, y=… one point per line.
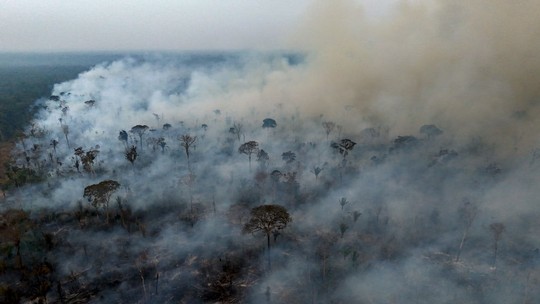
x=435, y=203
x=471, y=67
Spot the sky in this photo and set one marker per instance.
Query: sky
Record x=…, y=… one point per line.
x=94, y=25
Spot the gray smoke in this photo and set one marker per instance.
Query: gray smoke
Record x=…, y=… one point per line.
x=468, y=68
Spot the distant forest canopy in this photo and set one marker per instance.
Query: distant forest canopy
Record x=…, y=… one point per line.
x=26, y=77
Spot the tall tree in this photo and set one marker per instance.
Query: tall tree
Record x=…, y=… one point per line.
x=496, y=229
x=262, y=158
x=139, y=130
x=187, y=141
x=237, y=129
x=267, y=218
x=328, y=127
x=100, y=194
x=249, y=148
x=467, y=214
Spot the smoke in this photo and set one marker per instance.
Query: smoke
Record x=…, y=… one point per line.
x=419, y=207
x=469, y=67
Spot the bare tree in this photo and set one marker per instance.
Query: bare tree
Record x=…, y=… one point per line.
x=131, y=154
x=467, y=214
x=328, y=127
x=343, y=201
x=496, y=229
x=237, y=129
x=187, y=141
x=65, y=130
x=249, y=148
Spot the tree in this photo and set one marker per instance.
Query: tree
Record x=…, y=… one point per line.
x=65, y=130
x=249, y=148
x=237, y=129
x=316, y=170
x=288, y=157
x=139, y=130
x=267, y=218
x=430, y=131
x=269, y=123
x=100, y=194
x=131, y=154
x=87, y=158
x=123, y=137
x=262, y=157
x=356, y=214
x=54, y=144
x=328, y=127
x=343, y=227
x=467, y=214
x=162, y=143
x=187, y=141
x=496, y=229
x=343, y=201
x=344, y=146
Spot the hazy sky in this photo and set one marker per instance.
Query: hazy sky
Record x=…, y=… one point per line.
x=60, y=25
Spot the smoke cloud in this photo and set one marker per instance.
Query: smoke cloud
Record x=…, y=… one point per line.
x=469, y=67
x=439, y=97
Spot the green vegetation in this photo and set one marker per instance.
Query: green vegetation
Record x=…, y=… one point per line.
x=21, y=86
x=24, y=78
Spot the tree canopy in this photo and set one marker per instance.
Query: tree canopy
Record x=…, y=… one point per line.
x=269, y=123
x=267, y=218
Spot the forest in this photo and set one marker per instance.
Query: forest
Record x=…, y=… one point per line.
x=392, y=162
x=130, y=186
x=24, y=78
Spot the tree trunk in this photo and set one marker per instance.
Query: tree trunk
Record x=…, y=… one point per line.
x=461, y=244
x=495, y=254
x=268, y=249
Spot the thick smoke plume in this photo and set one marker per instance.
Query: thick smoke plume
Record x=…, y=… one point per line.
x=469, y=66
x=402, y=146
